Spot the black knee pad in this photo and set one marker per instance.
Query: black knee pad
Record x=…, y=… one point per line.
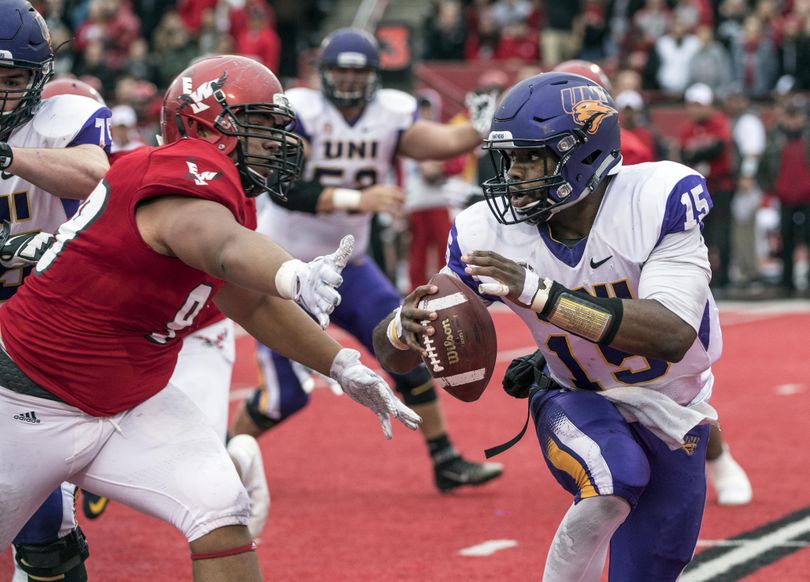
x=65, y=557
x=261, y=420
x=416, y=386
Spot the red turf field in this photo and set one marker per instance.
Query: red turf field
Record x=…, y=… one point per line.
x=349, y=506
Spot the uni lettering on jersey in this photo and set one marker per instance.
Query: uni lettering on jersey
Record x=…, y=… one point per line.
x=351, y=150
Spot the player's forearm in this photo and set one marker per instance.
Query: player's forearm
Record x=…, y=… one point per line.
x=286, y=329
x=250, y=260
x=390, y=358
x=434, y=141
x=67, y=172
x=651, y=330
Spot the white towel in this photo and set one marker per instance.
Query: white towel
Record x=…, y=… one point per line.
x=657, y=412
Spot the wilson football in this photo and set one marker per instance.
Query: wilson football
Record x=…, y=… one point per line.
x=461, y=354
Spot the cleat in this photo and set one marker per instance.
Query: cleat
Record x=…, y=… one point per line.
x=729, y=480
x=246, y=452
x=93, y=505
x=459, y=472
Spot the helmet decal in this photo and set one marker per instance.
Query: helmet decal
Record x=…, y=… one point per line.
x=588, y=106
x=195, y=98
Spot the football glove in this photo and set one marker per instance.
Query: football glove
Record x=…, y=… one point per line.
x=481, y=109
x=313, y=285
x=523, y=373
x=367, y=388
x=22, y=250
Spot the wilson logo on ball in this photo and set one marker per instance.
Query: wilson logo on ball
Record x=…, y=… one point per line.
x=461, y=353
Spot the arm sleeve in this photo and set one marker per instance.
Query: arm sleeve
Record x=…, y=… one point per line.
x=302, y=197
x=677, y=275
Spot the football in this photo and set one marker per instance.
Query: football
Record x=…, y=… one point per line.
x=461, y=354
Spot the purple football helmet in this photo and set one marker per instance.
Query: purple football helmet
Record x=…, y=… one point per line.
x=25, y=43
x=566, y=115
x=349, y=48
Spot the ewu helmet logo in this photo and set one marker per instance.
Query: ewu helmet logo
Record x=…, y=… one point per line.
x=196, y=97
x=588, y=105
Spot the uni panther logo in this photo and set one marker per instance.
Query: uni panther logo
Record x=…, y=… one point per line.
x=588, y=106
x=690, y=444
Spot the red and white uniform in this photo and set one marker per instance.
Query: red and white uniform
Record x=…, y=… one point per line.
x=123, y=308
x=99, y=324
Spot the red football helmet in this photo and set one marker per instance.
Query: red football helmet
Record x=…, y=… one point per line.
x=587, y=69
x=68, y=86
x=237, y=99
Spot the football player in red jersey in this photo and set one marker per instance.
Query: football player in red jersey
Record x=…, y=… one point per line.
x=91, y=340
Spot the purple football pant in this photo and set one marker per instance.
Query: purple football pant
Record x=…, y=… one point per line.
x=591, y=450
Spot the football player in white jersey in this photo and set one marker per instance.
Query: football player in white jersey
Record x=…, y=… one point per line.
x=354, y=131
x=53, y=152
x=607, y=267
x=729, y=479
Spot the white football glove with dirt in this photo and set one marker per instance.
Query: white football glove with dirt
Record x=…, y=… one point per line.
x=313, y=285
x=367, y=388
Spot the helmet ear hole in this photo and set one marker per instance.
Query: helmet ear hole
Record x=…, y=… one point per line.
x=592, y=157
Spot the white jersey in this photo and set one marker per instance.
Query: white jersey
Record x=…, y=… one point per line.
x=645, y=243
x=343, y=154
x=61, y=121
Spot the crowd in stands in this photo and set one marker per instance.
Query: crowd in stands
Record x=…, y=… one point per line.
x=739, y=72
x=671, y=43
x=131, y=49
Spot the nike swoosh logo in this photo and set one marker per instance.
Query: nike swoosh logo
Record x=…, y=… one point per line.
x=597, y=264
x=98, y=506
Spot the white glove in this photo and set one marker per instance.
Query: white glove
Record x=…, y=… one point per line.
x=22, y=250
x=313, y=285
x=481, y=109
x=367, y=388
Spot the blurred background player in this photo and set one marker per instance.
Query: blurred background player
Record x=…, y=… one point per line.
x=353, y=130
x=726, y=475
x=71, y=86
x=52, y=155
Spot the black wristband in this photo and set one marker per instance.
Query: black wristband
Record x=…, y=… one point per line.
x=6, y=155
x=582, y=314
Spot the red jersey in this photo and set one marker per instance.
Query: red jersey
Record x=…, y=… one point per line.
x=100, y=321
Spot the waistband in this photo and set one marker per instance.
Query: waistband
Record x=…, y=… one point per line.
x=14, y=379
